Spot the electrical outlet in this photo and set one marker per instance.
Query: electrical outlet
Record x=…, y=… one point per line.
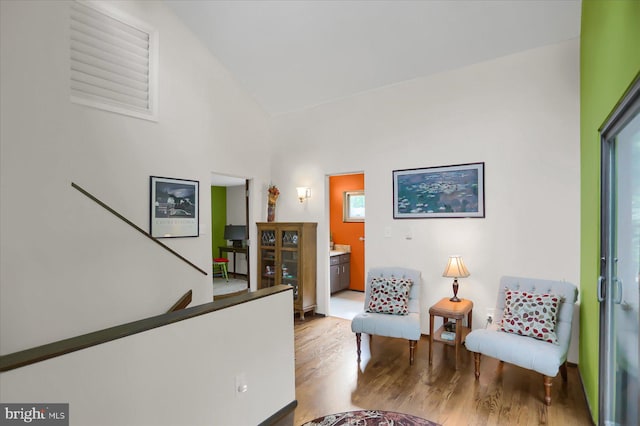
x=490, y=315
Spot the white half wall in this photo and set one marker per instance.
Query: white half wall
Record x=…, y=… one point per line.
x=180, y=374
x=68, y=267
x=518, y=114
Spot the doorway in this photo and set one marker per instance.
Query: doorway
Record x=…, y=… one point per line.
x=618, y=292
x=229, y=234
x=347, y=217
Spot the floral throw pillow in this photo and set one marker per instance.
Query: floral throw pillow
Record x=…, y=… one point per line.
x=532, y=315
x=389, y=296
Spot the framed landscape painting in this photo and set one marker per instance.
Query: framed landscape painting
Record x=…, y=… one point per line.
x=439, y=192
x=174, y=207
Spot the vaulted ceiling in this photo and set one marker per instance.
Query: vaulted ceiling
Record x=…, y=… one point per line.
x=292, y=55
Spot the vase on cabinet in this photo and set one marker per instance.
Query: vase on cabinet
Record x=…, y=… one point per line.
x=271, y=212
x=273, y=192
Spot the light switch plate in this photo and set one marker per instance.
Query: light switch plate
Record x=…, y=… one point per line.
x=241, y=384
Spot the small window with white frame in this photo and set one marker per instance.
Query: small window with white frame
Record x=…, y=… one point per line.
x=353, y=204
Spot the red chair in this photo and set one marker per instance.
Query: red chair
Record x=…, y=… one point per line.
x=221, y=264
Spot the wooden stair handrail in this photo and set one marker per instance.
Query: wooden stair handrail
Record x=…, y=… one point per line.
x=183, y=302
x=136, y=227
x=62, y=347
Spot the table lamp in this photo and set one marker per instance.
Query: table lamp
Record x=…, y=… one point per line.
x=455, y=269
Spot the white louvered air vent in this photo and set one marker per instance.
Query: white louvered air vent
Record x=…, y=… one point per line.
x=112, y=61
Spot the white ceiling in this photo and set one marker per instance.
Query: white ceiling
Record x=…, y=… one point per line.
x=294, y=54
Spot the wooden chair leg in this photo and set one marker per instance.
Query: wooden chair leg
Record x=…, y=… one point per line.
x=412, y=350
x=563, y=371
x=547, y=390
x=476, y=359
x=358, y=339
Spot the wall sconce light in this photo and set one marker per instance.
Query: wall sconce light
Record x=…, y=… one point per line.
x=303, y=193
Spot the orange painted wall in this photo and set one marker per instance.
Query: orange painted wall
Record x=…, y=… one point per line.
x=347, y=232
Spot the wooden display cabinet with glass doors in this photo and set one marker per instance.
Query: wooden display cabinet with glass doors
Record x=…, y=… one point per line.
x=287, y=255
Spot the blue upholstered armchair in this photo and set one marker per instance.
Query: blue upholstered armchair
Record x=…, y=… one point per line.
x=527, y=352
x=387, y=324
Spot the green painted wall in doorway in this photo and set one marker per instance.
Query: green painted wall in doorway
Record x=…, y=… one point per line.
x=609, y=60
x=218, y=218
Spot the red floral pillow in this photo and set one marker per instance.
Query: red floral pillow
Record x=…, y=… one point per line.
x=532, y=315
x=389, y=295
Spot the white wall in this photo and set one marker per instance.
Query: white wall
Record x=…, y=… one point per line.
x=67, y=266
x=236, y=205
x=157, y=377
x=519, y=114
x=65, y=263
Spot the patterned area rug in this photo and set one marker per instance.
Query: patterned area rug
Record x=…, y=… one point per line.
x=370, y=418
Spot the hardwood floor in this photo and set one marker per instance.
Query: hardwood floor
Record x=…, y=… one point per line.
x=329, y=380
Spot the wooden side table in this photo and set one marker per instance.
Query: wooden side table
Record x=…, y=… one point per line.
x=455, y=310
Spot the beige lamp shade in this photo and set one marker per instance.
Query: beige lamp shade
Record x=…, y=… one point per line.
x=455, y=268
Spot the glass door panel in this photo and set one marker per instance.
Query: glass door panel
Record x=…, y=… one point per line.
x=267, y=268
x=289, y=258
x=268, y=237
x=620, y=271
x=290, y=239
x=290, y=270
x=624, y=328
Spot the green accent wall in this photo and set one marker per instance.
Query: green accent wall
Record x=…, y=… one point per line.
x=609, y=60
x=218, y=218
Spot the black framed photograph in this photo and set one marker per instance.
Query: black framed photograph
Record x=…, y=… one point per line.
x=439, y=192
x=174, y=207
